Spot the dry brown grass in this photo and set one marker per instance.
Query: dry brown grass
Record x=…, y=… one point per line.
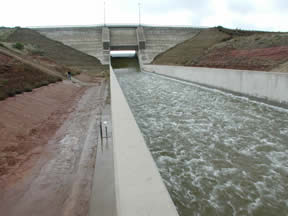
x=189, y=51
x=226, y=48
x=57, y=51
x=17, y=77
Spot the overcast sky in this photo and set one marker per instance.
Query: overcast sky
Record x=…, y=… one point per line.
x=245, y=14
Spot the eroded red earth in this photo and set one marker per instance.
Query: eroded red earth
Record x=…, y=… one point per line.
x=250, y=59
x=27, y=121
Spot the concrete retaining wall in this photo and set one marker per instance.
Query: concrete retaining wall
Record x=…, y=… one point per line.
x=271, y=87
x=138, y=184
x=160, y=39
x=86, y=39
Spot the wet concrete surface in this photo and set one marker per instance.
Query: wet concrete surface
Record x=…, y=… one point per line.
x=102, y=200
x=61, y=181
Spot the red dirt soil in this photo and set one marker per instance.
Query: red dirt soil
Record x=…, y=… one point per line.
x=17, y=77
x=4, y=59
x=263, y=59
x=27, y=122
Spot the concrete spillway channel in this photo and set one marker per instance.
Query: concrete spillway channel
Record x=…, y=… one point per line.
x=218, y=154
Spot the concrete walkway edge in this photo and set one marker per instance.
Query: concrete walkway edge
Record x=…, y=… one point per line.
x=138, y=185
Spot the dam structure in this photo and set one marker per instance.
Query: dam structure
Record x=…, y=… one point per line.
x=217, y=153
x=98, y=41
x=186, y=140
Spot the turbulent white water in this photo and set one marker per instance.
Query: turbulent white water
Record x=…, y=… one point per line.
x=217, y=154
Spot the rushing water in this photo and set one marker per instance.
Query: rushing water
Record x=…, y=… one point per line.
x=217, y=154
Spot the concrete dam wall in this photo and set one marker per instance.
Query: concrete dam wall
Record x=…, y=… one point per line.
x=87, y=40
x=90, y=39
x=270, y=87
x=160, y=39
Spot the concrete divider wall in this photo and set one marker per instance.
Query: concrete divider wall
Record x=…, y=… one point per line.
x=141, y=38
x=271, y=87
x=106, y=38
x=138, y=184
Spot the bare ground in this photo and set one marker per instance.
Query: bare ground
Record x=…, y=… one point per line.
x=234, y=49
x=48, y=142
x=27, y=121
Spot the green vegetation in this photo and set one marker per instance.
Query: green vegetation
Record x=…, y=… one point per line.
x=57, y=51
x=5, y=33
x=189, y=51
x=37, y=52
x=220, y=47
x=18, y=46
x=18, y=78
x=238, y=32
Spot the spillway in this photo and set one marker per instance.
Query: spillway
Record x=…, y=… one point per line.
x=218, y=154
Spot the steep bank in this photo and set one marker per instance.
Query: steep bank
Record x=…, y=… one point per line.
x=17, y=77
x=57, y=51
x=234, y=49
x=189, y=51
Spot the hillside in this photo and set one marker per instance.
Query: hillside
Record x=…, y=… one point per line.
x=57, y=51
x=17, y=77
x=189, y=51
x=247, y=50
x=29, y=60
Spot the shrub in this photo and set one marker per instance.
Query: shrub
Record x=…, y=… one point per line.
x=2, y=45
x=37, y=52
x=2, y=97
x=28, y=88
x=3, y=82
x=41, y=83
x=11, y=93
x=18, y=91
x=18, y=46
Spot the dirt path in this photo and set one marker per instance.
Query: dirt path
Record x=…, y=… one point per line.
x=61, y=180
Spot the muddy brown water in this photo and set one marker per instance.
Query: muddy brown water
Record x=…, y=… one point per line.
x=218, y=154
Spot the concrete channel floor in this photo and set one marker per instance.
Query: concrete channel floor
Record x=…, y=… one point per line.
x=102, y=200
x=61, y=181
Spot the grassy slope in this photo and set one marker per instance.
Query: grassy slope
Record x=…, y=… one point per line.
x=58, y=52
x=226, y=48
x=281, y=68
x=17, y=77
x=255, y=52
x=189, y=51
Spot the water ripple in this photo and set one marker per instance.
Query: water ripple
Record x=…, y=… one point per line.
x=217, y=154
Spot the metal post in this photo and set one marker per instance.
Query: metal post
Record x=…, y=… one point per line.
x=104, y=13
x=101, y=135
x=139, y=7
